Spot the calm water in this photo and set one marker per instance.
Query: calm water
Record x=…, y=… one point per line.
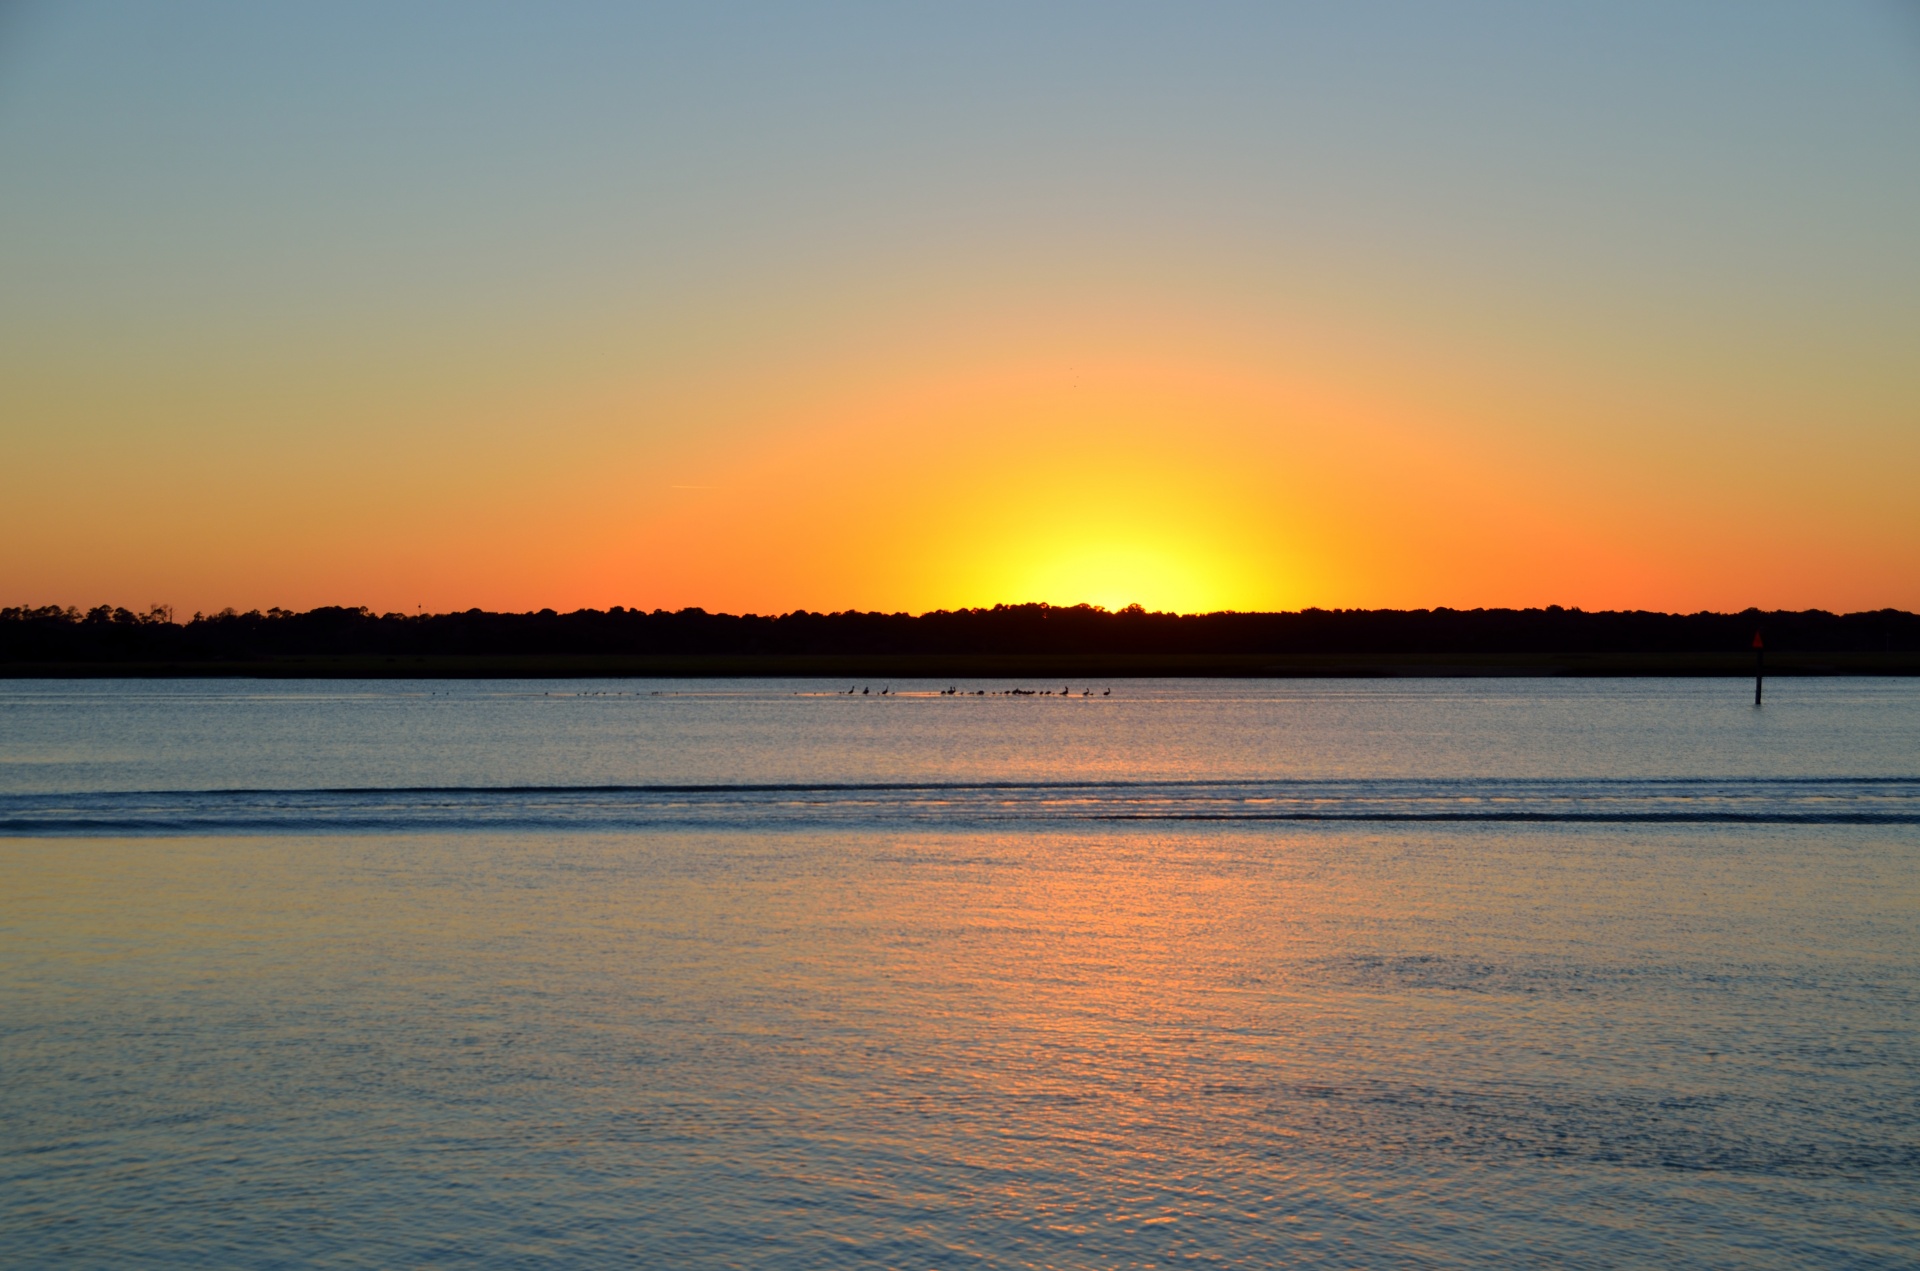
x=754, y=973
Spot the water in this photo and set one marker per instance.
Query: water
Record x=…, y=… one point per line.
x=755, y=974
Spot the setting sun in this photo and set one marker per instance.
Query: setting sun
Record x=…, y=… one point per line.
x=1114, y=575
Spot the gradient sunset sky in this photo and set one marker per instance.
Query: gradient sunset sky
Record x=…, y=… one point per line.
x=912, y=306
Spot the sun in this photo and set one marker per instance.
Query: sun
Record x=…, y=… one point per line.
x=1116, y=574
x=1123, y=541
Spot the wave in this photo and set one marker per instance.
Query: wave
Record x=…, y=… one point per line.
x=1733, y=800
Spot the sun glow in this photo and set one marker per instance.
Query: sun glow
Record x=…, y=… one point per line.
x=1140, y=527
x=1114, y=575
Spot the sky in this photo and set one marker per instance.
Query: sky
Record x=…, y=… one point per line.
x=892, y=306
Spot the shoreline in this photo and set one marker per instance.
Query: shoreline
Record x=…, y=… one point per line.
x=974, y=666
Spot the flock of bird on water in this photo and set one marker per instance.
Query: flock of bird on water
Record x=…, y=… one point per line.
x=1065, y=691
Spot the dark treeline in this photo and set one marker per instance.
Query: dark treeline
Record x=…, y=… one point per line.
x=104, y=634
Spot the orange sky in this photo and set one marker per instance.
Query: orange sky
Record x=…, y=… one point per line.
x=1147, y=326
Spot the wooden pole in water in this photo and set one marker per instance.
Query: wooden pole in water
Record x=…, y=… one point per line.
x=1759, y=666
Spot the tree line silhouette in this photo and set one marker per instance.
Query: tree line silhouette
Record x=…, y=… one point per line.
x=106, y=634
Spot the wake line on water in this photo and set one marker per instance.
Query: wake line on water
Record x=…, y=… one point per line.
x=1730, y=801
x=192, y=827
x=1732, y=818
x=1193, y=783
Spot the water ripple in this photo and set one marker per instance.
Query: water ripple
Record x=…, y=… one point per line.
x=1749, y=801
